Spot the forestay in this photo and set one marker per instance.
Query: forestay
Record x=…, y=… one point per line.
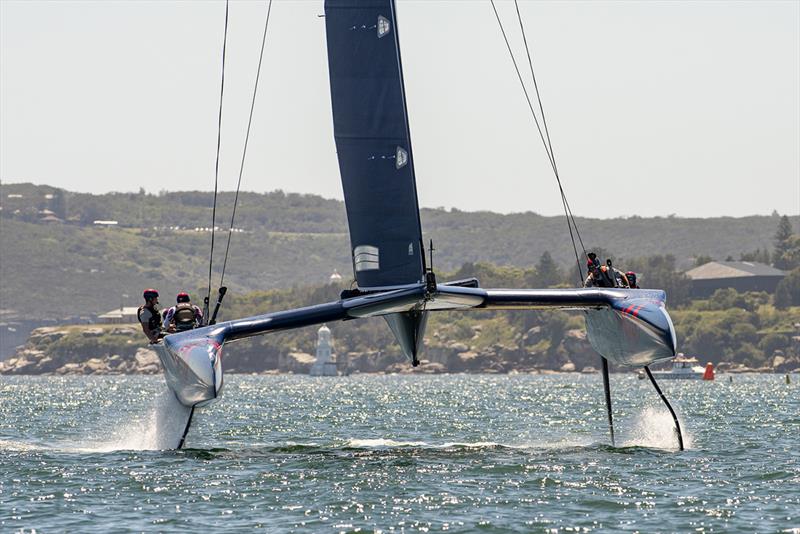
x=370, y=123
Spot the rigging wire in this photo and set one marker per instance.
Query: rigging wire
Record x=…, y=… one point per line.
x=544, y=123
x=545, y=141
x=219, y=139
x=246, y=139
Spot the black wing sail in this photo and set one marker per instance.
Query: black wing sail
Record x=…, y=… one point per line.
x=370, y=124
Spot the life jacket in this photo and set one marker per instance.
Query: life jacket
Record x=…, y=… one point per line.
x=184, y=316
x=154, y=322
x=603, y=278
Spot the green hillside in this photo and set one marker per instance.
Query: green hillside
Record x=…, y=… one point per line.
x=735, y=331
x=74, y=268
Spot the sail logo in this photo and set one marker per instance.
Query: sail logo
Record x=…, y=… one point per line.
x=383, y=26
x=366, y=258
x=401, y=158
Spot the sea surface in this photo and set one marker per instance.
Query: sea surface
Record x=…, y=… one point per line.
x=460, y=453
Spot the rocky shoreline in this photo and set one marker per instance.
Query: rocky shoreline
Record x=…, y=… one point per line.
x=81, y=350
x=120, y=349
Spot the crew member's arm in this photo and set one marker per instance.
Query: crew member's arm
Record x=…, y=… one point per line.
x=144, y=319
x=146, y=331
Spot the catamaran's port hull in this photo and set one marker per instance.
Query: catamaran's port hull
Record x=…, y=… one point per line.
x=192, y=367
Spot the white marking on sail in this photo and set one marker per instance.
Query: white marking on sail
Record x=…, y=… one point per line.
x=401, y=158
x=367, y=266
x=383, y=26
x=411, y=249
x=366, y=258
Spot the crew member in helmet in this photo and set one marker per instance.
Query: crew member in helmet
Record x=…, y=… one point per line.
x=183, y=316
x=599, y=275
x=631, y=276
x=149, y=316
x=593, y=276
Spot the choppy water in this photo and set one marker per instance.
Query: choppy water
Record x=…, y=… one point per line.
x=399, y=453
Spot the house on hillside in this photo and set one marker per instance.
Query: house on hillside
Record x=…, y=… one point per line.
x=739, y=275
x=50, y=219
x=49, y=216
x=124, y=315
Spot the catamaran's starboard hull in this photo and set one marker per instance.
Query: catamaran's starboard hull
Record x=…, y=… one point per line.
x=627, y=339
x=192, y=367
x=629, y=327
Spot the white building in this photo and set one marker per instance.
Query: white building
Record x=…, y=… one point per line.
x=326, y=360
x=123, y=315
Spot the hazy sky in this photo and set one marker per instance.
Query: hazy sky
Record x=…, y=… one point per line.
x=655, y=108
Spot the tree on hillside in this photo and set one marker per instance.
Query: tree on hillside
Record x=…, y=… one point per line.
x=659, y=272
x=93, y=211
x=758, y=255
x=790, y=259
x=773, y=342
x=702, y=259
x=782, y=242
x=58, y=204
x=788, y=291
x=548, y=273
x=728, y=298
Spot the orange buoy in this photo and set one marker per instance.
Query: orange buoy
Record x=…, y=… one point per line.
x=709, y=372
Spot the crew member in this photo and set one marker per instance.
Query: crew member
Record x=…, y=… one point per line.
x=617, y=276
x=620, y=278
x=593, y=276
x=631, y=276
x=183, y=316
x=599, y=275
x=149, y=316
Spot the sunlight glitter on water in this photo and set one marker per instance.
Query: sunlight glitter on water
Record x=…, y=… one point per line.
x=460, y=453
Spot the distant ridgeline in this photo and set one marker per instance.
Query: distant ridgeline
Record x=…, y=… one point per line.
x=74, y=254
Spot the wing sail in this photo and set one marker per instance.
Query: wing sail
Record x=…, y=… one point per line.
x=370, y=124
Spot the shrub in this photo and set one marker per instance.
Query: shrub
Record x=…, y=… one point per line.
x=772, y=342
x=788, y=291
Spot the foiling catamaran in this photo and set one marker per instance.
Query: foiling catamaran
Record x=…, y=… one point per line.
x=629, y=327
